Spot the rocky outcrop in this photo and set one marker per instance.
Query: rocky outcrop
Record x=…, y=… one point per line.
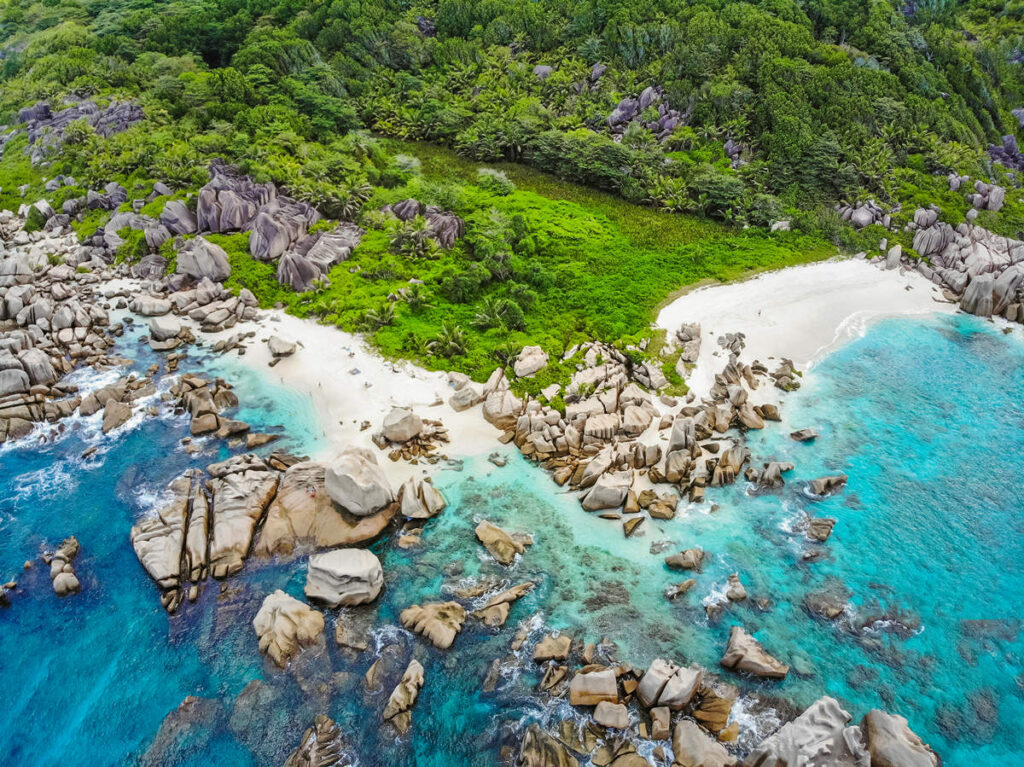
x=171, y=545
x=692, y=747
x=199, y=258
x=303, y=513
x=62, y=572
x=819, y=737
x=46, y=128
x=344, y=577
x=242, y=491
x=398, y=711
x=355, y=482
x=501, y=545
x=891, y=743
x=284, y=626
x=666, y=684
x=633, y=110
x=744, y=653
x=321, y=746
x=437, y=621
x=822, y=737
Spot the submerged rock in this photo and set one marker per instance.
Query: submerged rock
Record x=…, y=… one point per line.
x=321, y=746
x=538, y=749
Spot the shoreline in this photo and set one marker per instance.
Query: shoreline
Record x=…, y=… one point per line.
x=348, y=383
x=801, y=313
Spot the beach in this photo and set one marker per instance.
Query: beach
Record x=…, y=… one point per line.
x=801, y=313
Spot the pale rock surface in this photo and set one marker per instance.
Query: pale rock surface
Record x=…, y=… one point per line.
x=344, y=577
x=356, y=483
x=285, y=625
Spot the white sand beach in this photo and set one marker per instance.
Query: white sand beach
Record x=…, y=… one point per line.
x=350, y=383
x=802, y=312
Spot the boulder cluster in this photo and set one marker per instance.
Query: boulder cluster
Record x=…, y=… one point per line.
x=46, y=128
x=981, y=270
x=661, y=123
x=214, y=521
x=442, y=225
x=408, y=437
x=686, y=706
x=863, y=214
x=597, y=445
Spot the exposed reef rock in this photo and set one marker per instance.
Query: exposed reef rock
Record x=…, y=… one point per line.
x=284, y=626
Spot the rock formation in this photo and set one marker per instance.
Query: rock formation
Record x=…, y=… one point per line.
x=344, y=577
x=284, y=626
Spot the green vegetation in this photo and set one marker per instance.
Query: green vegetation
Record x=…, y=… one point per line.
x=574, y=231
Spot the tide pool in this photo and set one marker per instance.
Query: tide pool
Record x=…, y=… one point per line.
x=925, y=416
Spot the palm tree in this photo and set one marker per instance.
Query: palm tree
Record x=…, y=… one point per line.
x=416, y=298
x=375, y=319
x=449, y=342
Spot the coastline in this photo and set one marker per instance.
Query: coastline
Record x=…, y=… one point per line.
x=349, y=383
x=801, y=313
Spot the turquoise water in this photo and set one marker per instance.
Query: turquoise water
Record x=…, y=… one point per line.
x=925, y=417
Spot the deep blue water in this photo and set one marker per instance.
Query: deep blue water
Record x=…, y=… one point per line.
x=925, y=416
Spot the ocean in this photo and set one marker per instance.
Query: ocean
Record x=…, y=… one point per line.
x=924, y=415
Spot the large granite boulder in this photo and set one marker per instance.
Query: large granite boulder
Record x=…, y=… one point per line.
x=200, y=258
x=744, y=653
x=230, y=200
x=284, y=625
x=588, y=688
x=303, y=513
x=891, y=743
x=38, y=367
x=13, y=381
x=666, y=684
x=609, y=491
x=240, y=500
x=278, y=225
x=530, y=361
x=692, y=747
x=344, y=577
x=356, y=483
x=819, y=737
x=401, y=425
x=297, y=272
x=178, y=218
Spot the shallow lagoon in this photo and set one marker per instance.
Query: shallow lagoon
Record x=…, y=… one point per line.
x=925, y=417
